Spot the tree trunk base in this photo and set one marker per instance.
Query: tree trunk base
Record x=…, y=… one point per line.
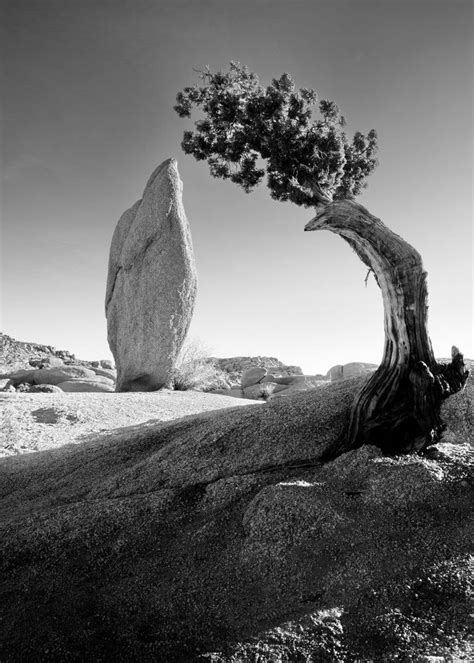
x=398, y=409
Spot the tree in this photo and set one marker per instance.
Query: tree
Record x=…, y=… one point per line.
x=308, y=162
x=245, y=128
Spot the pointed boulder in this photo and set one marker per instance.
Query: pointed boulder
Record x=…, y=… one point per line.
x=151, y=284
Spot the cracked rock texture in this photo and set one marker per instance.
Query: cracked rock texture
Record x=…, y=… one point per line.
x=228, y=531
x=151, y=284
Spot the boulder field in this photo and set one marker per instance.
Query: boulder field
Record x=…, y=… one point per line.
x=234, y=536
x=65, y=377
x=269, y=379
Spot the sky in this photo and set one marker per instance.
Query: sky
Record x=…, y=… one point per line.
x=87, y=114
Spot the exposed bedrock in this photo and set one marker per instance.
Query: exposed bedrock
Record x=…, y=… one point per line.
x=161, y=542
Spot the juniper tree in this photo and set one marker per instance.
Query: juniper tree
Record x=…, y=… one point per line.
x=246, y=131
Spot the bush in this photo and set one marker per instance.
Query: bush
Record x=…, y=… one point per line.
x=195, y=370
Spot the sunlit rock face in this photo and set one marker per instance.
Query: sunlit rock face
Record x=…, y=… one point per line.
x=151, y=284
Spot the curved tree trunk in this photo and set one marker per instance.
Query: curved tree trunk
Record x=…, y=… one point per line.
x=398, y=409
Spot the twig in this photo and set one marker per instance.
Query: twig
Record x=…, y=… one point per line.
x=367, y=277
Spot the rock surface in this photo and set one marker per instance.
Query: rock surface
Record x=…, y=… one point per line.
x=236, y=366
x=22, y=375
x=17, y=354
x=151, y=284
x=110, y=373
x=350, y=370
x=101, y=385
x=259, y=384
x=44, y=389
x=61, y=374
x=164, y=542
x=259, y=391
x=27, y=419
x=252, y=376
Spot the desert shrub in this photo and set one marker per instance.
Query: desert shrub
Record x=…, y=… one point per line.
x=265, y=391
x=195, y=370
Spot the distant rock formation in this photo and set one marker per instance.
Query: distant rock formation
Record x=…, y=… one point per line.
x=351, y=370
x=61, y=374
x=270, y=386
x=35, y=368
x=15, y=355
x=260, y=383
x=151, y=284
x=235, y=367
x=65, y=377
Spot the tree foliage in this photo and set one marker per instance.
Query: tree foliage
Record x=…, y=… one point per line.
x=246, y=130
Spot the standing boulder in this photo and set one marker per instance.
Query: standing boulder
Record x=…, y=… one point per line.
x=151, y=284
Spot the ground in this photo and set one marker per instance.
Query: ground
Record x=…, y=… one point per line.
x=227, y=535
x=36, y=422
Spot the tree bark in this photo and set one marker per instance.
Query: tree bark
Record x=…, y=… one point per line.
x=398, y=409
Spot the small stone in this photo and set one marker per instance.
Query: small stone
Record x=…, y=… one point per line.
x=35, y=362
x=52, y=361
x=23, y=387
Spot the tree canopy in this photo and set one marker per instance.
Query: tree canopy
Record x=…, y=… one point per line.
x=246, y=130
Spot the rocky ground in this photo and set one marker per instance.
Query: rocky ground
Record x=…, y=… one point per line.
x=227, y=536
x=183, y=527
x=15, y=355
x=36, y=422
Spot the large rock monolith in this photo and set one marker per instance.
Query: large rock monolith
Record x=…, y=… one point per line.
x=151, y=284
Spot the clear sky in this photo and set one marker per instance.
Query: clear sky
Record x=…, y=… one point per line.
x=87, y=99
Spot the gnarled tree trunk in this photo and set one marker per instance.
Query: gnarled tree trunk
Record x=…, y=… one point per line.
x=398, y=409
